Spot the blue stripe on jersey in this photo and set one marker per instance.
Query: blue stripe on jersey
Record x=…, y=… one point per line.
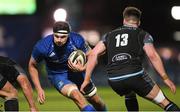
x=127, y=76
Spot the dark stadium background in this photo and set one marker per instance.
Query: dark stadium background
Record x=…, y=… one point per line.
x=21, y=31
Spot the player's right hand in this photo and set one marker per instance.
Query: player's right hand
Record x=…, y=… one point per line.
x=171, y=85
x=78, y=67
x=84, y=84
x=41, y=96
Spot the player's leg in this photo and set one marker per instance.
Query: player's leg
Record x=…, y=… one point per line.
x=131, y=102
x=10, y=94
x=157, y=96
x=147, y=88
x=71, y=91
x=93, y=98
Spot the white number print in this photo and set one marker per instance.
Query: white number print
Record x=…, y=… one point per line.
x=121, y=40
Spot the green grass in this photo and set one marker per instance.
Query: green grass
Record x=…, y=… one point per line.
x=56, y=102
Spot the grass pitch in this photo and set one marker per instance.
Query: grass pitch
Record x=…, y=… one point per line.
x=56, y=102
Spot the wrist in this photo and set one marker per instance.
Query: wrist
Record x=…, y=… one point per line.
x=165, y=76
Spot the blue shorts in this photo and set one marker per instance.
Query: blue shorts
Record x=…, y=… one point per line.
x=60, y=80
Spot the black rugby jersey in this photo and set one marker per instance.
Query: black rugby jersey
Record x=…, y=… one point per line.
x=124, y=47
x=6, y=60
x=7, y=69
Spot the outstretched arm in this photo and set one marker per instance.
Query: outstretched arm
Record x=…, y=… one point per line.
x=158, y=65
x=92, y=61
x=35, y=78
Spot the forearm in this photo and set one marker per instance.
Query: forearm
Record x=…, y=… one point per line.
x=92, y=61
x=28, y=93
x=34, y=76
x=158, y=65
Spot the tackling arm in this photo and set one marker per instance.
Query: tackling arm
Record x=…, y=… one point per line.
x=92, y=61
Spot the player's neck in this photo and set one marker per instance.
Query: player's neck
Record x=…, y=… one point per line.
x=131, y=25
x=125, y=23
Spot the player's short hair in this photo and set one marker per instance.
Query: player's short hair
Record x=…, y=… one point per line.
x=132, y=13
x=61, y=27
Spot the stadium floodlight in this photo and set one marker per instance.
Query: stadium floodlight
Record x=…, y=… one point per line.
x=60, y=15
x=175, y=12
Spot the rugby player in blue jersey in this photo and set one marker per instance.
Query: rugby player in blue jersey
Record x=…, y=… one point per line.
x=55, y=50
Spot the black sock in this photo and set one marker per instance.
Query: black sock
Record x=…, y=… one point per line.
x=172, y=107
x=11, y=105
x=131, y=102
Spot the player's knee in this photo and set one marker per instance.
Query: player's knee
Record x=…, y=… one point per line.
x=159, y=97
x=131, y=95
x=14, y=93
x=75, y=94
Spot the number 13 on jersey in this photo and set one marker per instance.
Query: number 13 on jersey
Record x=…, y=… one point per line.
x=121, y=40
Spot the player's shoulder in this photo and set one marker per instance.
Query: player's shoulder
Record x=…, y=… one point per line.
x=75, y=35
x=45, y=42
x=7, y=60
x=143, y=32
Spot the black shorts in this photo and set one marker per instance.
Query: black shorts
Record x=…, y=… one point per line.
x=2, y=81
x=141, y=84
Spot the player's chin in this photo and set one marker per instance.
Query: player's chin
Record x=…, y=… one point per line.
x=59, y=43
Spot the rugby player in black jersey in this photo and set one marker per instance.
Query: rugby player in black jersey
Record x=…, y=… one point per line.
x=126, y=47
x=11, y=72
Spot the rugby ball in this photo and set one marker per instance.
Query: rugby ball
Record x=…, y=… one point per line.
x=76, y=56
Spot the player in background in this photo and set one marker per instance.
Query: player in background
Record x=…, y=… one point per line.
x=55, y=50
x=126, y=47
x=11, y=72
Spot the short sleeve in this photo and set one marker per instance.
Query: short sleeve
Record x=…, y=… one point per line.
x=37, y=53
x=148, y=39
x=104, y=38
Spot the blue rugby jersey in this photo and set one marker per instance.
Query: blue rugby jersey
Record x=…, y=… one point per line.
x=56, y=57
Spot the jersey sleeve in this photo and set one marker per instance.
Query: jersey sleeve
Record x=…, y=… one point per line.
x=37, y=53
x=148, y=39
x=104, y=39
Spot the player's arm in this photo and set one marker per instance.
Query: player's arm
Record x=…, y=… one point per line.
x=158, y=65
x=92, y=61
x=35, y=78
x=28, y=91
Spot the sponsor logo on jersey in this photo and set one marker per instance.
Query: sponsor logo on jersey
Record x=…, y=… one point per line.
x=121, y=57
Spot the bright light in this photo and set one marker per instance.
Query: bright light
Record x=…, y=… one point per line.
x=175, y=12
x=60, y=15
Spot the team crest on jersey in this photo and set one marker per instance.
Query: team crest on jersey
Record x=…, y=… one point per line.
x=121, y=57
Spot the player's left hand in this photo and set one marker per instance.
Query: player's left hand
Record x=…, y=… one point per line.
x=171, y=85
x=84, y=84
x=76, y=67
